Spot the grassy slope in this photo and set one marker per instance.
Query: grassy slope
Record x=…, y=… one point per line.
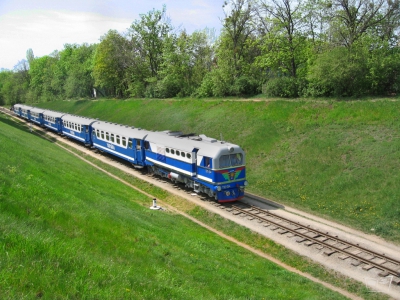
x=93, y=237
x=336, y=159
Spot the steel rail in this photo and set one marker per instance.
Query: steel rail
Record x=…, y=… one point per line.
x=318, y=234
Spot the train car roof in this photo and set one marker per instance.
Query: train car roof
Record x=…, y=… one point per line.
x=37, y=110
x=23, y=106
x=52, y=113
x=119, y=129
x=78, y=119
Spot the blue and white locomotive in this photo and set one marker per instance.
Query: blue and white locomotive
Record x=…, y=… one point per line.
x=204, y=164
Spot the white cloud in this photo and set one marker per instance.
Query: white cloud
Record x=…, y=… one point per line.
x=46, y=31
x=46, y=25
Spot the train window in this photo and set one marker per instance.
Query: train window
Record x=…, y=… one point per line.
x=167, y=150
x=172, y=151
x=112, y=137
x=236, y=159
x=207, y=162
x=130, y=144
x=118, y=140
x=224, y=161
x=124, y=141
x=102, y=135
x=188, y=155
x=147, y=145
x=137, y=144
x=183, y=154
x=178, y=153
x=107, y=136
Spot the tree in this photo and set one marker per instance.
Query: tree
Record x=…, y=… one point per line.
x=148, y=35
x=111, y=61
x=285, y=42
x=186, y=59
x=353, y=18
x=78, y=70
x=41, y=73
x=237, y=30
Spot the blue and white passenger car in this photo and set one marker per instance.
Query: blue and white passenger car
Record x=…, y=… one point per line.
x=25, y=111
x=78, y=128
x=17, y=109
x=120, y=140
x=52, y=120
x=36, y=115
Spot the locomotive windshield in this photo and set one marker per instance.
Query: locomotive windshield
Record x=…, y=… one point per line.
x=230, y=160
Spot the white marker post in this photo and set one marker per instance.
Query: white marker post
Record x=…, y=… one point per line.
x=155, y=207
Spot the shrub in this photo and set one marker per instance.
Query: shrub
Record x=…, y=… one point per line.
x=245, y=85
x=281, y=87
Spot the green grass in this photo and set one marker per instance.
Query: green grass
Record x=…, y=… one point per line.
x=339, y=160
x=70, y=231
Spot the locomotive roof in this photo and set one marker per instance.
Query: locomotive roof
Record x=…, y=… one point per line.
x=207, y=146
x=78, y=119
x=52, y=113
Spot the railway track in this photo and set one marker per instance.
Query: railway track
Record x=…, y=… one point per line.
x=389, y=267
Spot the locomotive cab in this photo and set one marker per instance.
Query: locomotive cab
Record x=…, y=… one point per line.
x=222, y=169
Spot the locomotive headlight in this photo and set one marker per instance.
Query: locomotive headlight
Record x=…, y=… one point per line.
x=218, y=188
x=228, y=193
x=246, y=183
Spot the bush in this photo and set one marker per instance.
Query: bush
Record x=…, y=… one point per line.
x=338, y=73
x=285, y=87
x=245, y=85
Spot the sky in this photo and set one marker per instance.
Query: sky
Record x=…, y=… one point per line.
x=46, y=25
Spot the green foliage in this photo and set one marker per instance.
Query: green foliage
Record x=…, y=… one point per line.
x=285, y=87
x=383, y=70
x=79, y=67
x=150, y=32
x=339, y=73
x=14, y=87
x=245, y=85
x=110, y=63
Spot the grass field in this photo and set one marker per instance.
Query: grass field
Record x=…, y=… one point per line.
x=339, y=160
x=69, y=231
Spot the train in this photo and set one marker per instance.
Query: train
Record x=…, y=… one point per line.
x=206, y=165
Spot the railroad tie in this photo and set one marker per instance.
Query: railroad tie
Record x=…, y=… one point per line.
x=367, y=267
x=309, y=243
x=384, y=274
x=301, y=240
x=329, y=252
x=356, y=263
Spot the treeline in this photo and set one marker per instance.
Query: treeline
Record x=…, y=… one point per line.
x=283, y=48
